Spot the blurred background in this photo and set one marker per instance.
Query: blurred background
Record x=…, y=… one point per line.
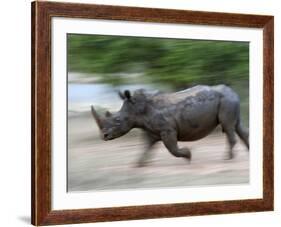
x=100, y=66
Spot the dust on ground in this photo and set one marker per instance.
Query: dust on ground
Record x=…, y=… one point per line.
x=94, y=164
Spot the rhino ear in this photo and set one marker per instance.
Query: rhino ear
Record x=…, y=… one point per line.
x=121, y=95
x=108, y=114
x=127, y=94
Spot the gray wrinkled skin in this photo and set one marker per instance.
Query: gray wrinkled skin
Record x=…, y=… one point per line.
x=187, y=115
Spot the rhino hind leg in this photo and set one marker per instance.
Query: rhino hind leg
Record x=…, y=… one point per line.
x=243, y=134
x=187, y=153
x=228, y=117
x=169, y=139
x=231, y=141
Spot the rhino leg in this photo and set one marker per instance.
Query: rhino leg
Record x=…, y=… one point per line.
x=169, y=139
x=231, y=141
x=228, y=116
x=150, y=141
x=243, y=134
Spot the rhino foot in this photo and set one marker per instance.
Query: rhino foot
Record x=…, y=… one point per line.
x=140, y=164
x=229, y=156
x=186, y=154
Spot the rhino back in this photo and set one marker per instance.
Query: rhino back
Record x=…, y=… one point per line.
x=175, y=98
x=191, y=112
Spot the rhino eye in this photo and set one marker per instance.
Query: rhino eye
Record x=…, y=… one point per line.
x=117, y=121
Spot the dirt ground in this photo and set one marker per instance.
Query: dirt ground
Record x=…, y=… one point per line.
x=94, y=164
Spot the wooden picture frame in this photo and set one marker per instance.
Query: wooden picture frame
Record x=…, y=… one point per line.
x=42, y=13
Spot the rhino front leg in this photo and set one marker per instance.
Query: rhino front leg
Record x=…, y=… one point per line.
x=150, y=141
x=170, y=141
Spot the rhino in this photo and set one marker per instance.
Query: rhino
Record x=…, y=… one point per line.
x=187, y=115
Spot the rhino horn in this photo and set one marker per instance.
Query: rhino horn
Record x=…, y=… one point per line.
x=96, y=117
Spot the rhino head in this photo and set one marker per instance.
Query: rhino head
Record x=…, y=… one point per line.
x=114, y=125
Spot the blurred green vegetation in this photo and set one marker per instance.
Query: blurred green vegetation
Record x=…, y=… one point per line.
x=176, y=63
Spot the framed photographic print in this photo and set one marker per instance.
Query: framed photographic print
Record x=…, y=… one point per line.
x=142, y=113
